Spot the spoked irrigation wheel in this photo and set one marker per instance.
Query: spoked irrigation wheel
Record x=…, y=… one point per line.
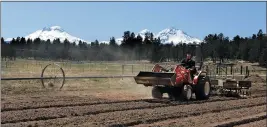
x=53, y=76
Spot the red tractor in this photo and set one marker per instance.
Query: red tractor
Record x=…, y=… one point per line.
x=178, y=83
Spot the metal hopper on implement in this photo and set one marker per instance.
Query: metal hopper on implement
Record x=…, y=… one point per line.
x=152, y=78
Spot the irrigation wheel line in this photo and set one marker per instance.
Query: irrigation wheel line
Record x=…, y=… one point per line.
x=63, y=77
x=54, y=77
x=77, y=77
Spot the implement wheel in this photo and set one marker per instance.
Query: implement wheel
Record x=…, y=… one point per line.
x=156, y=93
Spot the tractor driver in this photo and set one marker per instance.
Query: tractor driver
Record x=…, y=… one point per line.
x=188, y=63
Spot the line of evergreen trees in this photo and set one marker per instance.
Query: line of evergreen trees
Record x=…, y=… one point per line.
x=215, y=46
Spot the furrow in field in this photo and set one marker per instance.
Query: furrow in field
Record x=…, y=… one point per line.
x=151, y=115
x=244, y=120
x=61, y=112
x=260, y=123
x=208, y=119
x=51, y=104
x=36, y=105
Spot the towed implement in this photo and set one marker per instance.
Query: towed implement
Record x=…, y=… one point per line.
x=178, y=82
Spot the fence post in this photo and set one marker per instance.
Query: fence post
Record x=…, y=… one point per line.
x=220, y=71
x=83, y=68
x=246, y=70
x=231, y=70
x=241, y=69
x=90, y=66
x=226, y=71
x=132, y=69
x=122, y=70
x=106, y=69
x=233, y=73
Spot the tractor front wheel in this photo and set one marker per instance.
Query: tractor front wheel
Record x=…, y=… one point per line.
x=156, y=93
x=186, y=92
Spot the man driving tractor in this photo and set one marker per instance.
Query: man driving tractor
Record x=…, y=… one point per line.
x=188, y=63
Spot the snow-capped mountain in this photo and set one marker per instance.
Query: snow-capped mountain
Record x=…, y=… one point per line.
x=176, y=36
x=54, y=32
x=8, y=40
x=142, y=33
x=168, y=35
x=119, y=40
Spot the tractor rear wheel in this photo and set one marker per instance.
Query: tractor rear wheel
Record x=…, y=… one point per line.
x=156, y=92
x=203, y=88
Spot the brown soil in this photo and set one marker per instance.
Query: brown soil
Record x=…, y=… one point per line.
x=261, y=123
x=210, y=119
x=243, y=120
x=255, y=79
x=125, y=113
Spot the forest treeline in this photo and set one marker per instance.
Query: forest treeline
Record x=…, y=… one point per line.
x=214, y=46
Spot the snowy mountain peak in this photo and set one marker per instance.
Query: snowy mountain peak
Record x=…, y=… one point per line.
x=53, y=28
x=144, y=31
x=168, y=35
x=171, y=31
x=176, y=36
x=52, y=33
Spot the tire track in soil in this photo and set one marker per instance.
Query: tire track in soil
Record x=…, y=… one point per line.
x=54, y=113
x=55, y=104
x=141, y=116
x=187, y=115
x=261, y=123
x=208, y=119
x=58, y=112
x=246, y=120
x=27, y=102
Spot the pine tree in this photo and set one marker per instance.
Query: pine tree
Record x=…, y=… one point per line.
x=2, y=40
x=3, y=48
x=22, y=42
x=263, y=58
x=80, y=44
x=96, y=43
x=112, y=41
x=260, y=35
x=29, y=43
x=126, y=36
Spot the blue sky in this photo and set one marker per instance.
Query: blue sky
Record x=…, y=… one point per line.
x=101, y=20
